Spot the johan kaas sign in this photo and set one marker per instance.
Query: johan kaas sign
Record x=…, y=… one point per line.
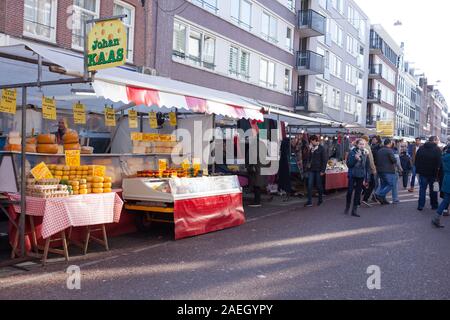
x=107, y=45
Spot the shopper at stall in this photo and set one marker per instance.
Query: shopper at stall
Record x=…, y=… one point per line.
x=61, y=131
x=385, y=160
x=445, y=189
x=316, y=166
x=406, y=163
x=359, y=168
x=413, y=152
x=428, y=161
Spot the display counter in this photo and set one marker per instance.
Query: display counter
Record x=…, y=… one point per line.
x=194, y=205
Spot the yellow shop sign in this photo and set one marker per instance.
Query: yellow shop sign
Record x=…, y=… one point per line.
x=107, y=45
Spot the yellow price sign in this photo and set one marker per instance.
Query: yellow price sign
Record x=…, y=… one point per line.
x=173, y=119
x=99, y=171
x=162, y=164
x=132, y=119
x=110, y=117
x=41, y=171
x=73, y=158
x=79, y=113
x=8, y=101
x=136, y=136
x=107, y=45
x=153, y=120
x=48, y=108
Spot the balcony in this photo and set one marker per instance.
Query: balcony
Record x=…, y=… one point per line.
x=311, y=24
x=375, y=71
x=309, y=63
x=374, y=96
x=376, y=46
x=308, y=102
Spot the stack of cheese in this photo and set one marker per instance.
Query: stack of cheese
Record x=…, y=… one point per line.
x=14, y=142
x=71, y=141
x=99, y=184
x=31, y=145
x=47, y=144
x=78, y=187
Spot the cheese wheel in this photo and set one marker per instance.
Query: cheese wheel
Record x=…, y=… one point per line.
x=59, y=173
x=89, y=178
x=75, y=192
x=66, y=168
x=74, y=183
x=97, y=185
x=108, y=179
x=70, y=137
x=51, y=166
x=72, y=146
x=82, y=181
x=31, y=140
x=83, y=186
x=31, y=148
x=98, y=179
x=89, y=190
x=13, y=147
x=97, y=190
x=73, y=168
x=83, y=191
x=65, y=177
x=46, y=139
x=84, y=168
x=107, y=185
x=75, y=188
x=47, y=148
x=107, y=190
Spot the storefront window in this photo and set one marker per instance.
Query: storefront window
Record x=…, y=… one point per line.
x=40, y=19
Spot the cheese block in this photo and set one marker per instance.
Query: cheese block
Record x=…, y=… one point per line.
x=72, y=146
x=47, y=148
x=71, y=137
x=46, y=139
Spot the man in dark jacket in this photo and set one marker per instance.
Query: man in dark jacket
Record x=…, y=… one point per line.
x=386, y=161
x=428, y=163
x=413, y=152
x=317, y=165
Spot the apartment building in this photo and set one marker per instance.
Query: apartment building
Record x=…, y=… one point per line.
x=408, y=102
x=245, y=47
x=383, y=73
x=332, y=60
x=58, y=23
x=438, y=113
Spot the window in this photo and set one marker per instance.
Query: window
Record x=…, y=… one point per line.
x=269, y=27
x=289, y=44
x=210, y=5
x=352, y=46
x=241, y=12
x=347, y=103
x=267, y=73
x=239, y=63
x=124, y=8
x=335, y=66
x=199, y=48
x=335, y=99
x=40, y=19
x=287, y=80
x=336, y=34
x=83, y=10
x=351, y=75
x=338, y=5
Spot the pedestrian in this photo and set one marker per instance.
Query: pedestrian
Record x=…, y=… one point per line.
x=359, y=168
x=398, y=173
x=428, y=161
x=386, y=162
x=376, y=145
x=368, y=190
x=406, y=163
x=316, y=166
x=413, y=152
x=445, y=189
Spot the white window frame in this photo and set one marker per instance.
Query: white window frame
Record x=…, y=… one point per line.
x=96, y=15
x=265, y=82
x=206, y=6
x=268, y=36
x=289, y=87
x=291, y=42
x=238, y=20
x=53, y=26
x=130, y=45
x=238, y=73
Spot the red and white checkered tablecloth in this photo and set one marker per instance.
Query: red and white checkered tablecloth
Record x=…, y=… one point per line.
x=74, y=211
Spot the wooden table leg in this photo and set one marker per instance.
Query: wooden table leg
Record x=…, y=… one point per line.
x=47, y=245
x=88, y=236
x=15, y=244
x=64, y=241
x=105, y=237
x=33, y=235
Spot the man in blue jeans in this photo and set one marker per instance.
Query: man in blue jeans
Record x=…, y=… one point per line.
x=317, y=164
x=386, y=162
x=413, y=153
x=428, y=163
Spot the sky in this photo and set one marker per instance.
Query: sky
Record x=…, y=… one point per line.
x=425, y=31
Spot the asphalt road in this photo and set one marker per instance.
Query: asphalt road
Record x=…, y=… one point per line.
x=284, y=251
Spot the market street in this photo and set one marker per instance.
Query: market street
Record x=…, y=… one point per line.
x=284, y=251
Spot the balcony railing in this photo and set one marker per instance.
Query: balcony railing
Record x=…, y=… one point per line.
x=374, y=96
x=376, y=71
x=308, y=102
x=311, y=23
x=309, y=63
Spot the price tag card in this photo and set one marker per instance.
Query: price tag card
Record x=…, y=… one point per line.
x=132, y=119
x=41, y=171
x=8, y=101
x=48, y=108
x=137, y=136
x=99, y=171
x=110, y=117
x=162, y=164
x=79, y=113
x=153, y=120
x=173, y=119
x=73, y=158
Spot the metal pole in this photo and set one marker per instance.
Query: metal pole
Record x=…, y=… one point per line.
x=23, y=174
x=213, y=142
x=85, y=53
